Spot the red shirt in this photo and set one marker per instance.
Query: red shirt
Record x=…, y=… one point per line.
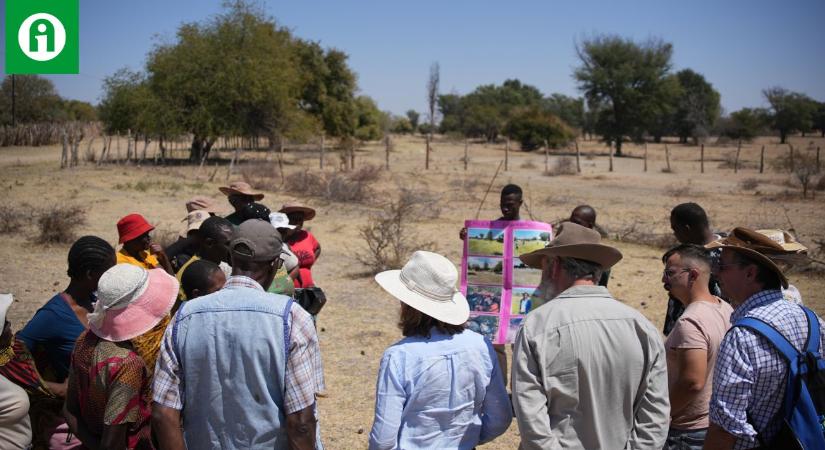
x=304, y=245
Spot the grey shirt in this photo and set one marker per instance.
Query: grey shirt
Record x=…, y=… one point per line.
x=589, y=372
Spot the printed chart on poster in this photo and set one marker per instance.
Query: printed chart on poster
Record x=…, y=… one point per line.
x=499, y=288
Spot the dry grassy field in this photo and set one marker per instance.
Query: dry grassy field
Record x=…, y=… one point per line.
x=359, y=320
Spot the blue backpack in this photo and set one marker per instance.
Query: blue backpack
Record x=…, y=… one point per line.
x=803, y=411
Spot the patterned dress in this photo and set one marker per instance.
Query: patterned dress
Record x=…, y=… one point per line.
x=109, y=385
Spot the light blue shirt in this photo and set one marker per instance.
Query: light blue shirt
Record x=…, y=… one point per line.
x=444, y=392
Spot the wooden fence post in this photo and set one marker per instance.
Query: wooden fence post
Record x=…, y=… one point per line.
x=427, y=155
x=117, y=147
x=387, y=149
x=578, y=158
x=667, y=158
x=466, y=153
x=790, y=146
x=736, y=161
x=321, y=158
x=817, y=159
x=610, y=153
x=645, y=156
x=507, y=155
x=762, y=160
x=702, y=159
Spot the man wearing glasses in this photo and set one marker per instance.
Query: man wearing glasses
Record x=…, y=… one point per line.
x=693, y=343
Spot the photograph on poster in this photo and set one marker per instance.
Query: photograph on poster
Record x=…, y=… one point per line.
x=485, y=241
x=524, y=275
x=524, y=300
x=484, y=298
x=484, y=270
x=513, y=327
x=486, y=326
x=526, y=241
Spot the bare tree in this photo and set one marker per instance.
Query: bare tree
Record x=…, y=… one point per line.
x=432, y=102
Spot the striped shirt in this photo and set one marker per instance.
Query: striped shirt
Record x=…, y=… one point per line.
x=750, y=375
x=304, y=370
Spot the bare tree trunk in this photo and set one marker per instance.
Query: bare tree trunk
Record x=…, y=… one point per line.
x=762, y=160
x=387, y=150
x=667, y=158
x=146, y=141
x=427, y=154
x=128, y=146
x=793, y=166
x=578, y=158
x=232, y=163
x=117, y=147
x=64, y=156
x=546, y=157
x=736, y=161
x=89, y=153
x=702, y=159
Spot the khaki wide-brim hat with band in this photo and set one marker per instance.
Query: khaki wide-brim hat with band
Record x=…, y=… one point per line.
x=575, y=241
x=241, y=188
x=427, y=283
x=287, y=208
x=757, y=247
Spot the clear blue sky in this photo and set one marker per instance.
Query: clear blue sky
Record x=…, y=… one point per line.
x=741, y=46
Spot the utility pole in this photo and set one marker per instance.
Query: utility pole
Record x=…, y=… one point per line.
x=13, y=118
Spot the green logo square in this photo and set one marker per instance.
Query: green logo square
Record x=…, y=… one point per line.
x=42, y=36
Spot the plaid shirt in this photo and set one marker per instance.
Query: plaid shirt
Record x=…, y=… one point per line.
x=304, y=370
x=750, y=375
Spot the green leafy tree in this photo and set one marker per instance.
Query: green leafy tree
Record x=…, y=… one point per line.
x=745, y=124
x=124, y=94
x=401, y=125
x=328, y=88
x=698, y=106
x=790, y=111
x=818, y=119
x=568, y=109
x=627, y=79
x=661, y=113
x=36, y=100
x=370, y=121
x=533, y=127
x=413, y=116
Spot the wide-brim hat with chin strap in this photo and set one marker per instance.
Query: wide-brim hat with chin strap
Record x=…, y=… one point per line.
x=131, y=301
x=427, y=283
x=756, y=246
x=287, y=208
x=241, y=188
x=575, y=241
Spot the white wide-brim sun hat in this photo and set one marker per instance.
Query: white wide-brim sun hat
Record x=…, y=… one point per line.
x=427, y=283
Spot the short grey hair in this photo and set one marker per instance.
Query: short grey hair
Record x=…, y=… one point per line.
x=578, y=269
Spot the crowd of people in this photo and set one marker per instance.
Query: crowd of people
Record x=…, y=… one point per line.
x=211, y=342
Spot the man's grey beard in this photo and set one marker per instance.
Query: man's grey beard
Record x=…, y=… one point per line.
x=546, y=291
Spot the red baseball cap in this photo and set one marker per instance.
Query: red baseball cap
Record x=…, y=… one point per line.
x=131, y=227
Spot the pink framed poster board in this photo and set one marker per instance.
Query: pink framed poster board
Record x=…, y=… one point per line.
x=499, y=288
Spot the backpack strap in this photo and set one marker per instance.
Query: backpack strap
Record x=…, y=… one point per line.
x=812, y=345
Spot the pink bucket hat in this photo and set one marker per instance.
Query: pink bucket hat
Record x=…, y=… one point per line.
x=131, y=301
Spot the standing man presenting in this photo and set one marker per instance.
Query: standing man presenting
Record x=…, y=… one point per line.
x=510, y=204
x=588, y=371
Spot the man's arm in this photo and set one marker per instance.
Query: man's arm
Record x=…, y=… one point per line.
x=497, y=412
x=389, y=405
x=300, y=429
x=691, y=376
x=79, y=429
x=303, y=380
x=167, y=427
x=652, y=415
x=529, y=397
x=114, y=437
x=718, y=439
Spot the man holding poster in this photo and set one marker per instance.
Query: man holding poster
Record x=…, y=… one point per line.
x=588, y=371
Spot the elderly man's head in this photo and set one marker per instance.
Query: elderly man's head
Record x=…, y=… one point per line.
x=561, y=272
x=256, y=251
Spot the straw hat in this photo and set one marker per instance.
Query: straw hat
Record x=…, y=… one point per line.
x=241, y=188
x=194, y=220
x=759, y=247
x=287, y=208
x=131, y=301
x=575, y=241
x=200, y=203
x=427, y=283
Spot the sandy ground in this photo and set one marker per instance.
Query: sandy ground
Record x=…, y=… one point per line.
x=359, y=320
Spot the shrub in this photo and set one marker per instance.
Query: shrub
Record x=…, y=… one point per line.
x=337, y=186
x=533, y=127
x=12, y=218
x=58, y=224
x=388, y=240
x=749, y=184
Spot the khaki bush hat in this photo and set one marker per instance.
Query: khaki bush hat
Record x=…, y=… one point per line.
x=754, y=245
x=575, y=241
x=241, y=188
